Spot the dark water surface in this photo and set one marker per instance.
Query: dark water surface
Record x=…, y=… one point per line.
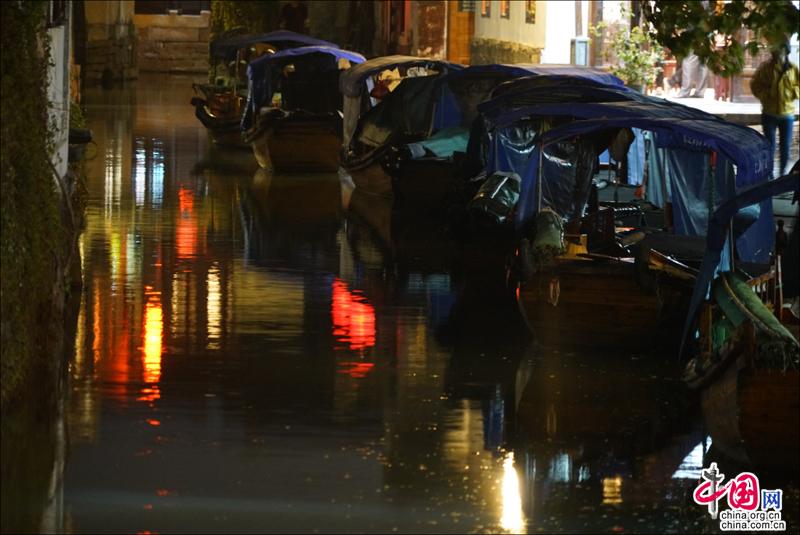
x=250, y=357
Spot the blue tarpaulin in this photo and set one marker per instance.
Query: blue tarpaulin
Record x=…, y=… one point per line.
x=689, y=143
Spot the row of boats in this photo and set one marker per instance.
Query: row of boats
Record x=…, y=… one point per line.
x=513, y=157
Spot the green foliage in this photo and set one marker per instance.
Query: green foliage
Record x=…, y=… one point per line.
x=247, y=15
x=687, y=26
x=31, y=235
x=76, y=117
x=637, y=55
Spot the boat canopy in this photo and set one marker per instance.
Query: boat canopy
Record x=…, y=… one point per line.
x=282, y=39
x=354, y=82
x=717, y=238
x=312, y=84
x=444, y=105
x=531, y=139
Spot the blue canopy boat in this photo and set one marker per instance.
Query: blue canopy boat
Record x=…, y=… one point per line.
x=219, y=105
x=744, y=354
x=293, y=116
x=386, y=99
x=409, y=145
x=580, y=278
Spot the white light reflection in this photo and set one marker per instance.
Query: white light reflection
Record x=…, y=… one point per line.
x=139, y=173
x=512, y=518
x=113, y=177
x=157, y=185
x=213, y=308
x=560, y=468
x=692, y=464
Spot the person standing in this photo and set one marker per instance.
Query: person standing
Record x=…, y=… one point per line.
x=694, y=72
x=775, y=84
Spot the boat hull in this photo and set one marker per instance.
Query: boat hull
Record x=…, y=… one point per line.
x=225, y=130
x=752, y=415
x=372, y=179
x=423, y=185
x=292, y=145
x=586, y=303
x=415, y=185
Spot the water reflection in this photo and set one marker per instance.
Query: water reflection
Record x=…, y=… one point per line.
x=261, y=352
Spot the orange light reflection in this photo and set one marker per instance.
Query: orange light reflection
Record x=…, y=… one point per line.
x=151, y=354
x=186, y=228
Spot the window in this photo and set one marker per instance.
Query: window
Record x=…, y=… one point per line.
x=530, y=11
x=466, y=6
x=505, y=8
x=486, y=8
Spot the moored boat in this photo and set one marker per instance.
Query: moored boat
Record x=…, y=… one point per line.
x=293, y=117
x=411, y=144
x=581, y=278
x=219, y=105
x=387, y=101
x=744, y=351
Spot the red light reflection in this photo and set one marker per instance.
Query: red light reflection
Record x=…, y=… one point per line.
x=186, y=226
x=356, y=370
x=353, y=318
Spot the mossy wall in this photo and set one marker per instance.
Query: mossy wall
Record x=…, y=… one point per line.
x=32, y=235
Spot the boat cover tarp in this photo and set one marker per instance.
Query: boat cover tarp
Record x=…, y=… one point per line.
x=281, y=39
x=353, y=83
x=740, y=145
x=314, y=80
x=406, y=111
x=443, y=143
x=717, y=238
x=677, y=127
x=452, y=99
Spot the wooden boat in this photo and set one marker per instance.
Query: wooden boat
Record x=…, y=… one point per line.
x=219, y=105
x=397, y=93
x=293, y=118
x=746, y=363
x=220, y=111
x=410, y=144
x=580, y=277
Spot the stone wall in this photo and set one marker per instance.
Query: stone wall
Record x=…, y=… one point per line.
x=486, y=51
x=173, y=43
x=110, y=41
x=118, y=55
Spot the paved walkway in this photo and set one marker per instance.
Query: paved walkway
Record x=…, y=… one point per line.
x=736, y=112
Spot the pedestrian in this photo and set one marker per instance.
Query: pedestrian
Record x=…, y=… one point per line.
x=294, y=16
x=775, y=84
x=694, y=73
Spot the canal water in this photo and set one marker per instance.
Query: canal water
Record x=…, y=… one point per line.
x=251, y=355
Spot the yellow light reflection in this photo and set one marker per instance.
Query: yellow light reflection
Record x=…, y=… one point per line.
x=97, y=325
x=512, y=518
x=213, y=308
x=151, y=356
x=612, y=490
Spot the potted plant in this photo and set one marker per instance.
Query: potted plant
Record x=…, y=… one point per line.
x=635, y=57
